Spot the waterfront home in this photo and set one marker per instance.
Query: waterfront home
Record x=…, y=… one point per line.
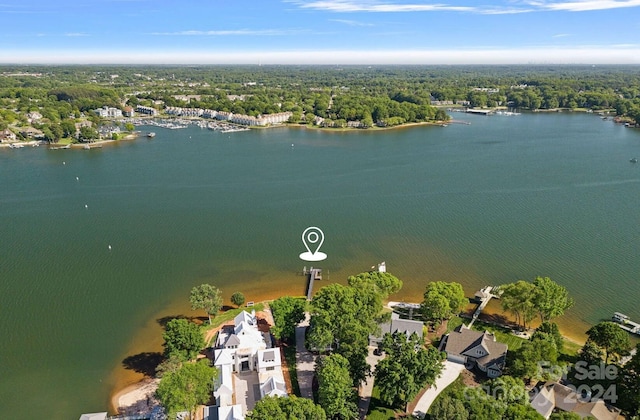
x=7, y=136
x=147, y=110
x=396, y=324
x=553, y=396
x=108, y=112
x=248, y=364
x=475, y=348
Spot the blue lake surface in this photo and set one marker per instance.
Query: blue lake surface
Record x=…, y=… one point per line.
x=501, y=199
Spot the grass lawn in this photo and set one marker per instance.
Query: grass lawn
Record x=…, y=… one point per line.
x=290, y=357
x=502, y=334
x=377, y=409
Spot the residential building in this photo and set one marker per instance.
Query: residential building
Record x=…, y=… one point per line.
x=242, y=349
x=108, y=112
x=553, y=396
x=147, y=110
x=128, y=111
x=7, y=136
x=396, y=324
x=475, y=348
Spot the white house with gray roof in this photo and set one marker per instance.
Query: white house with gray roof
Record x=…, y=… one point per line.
x=244, y=349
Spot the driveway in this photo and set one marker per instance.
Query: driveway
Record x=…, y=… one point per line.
x=305, y=362
x=364, y=392
x=449, y=374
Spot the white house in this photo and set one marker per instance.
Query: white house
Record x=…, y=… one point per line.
x=244, y=349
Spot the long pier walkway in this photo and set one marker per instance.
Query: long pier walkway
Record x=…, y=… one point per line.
x=484, y=295
x=314, y=274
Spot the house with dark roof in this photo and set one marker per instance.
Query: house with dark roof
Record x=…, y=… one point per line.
x=475, y=348
x=396, y=324
x=553, y=396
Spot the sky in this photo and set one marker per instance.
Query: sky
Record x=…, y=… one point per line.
x=320, y=32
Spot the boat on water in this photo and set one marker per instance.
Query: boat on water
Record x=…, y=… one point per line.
x=625, y=323
x=151, y=135
x=633, y=160
x=68, y=146
x=16, y=146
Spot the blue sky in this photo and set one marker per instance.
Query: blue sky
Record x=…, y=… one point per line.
x=320, y=31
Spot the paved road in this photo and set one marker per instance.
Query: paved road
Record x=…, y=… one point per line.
x=449, y=374
x=305, y=361
x=364, y=392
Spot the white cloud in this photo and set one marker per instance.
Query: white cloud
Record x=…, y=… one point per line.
x=351, y=22
x=501, y=7
x=375, y=6
x=76, y=34
x=236, y=32
x=584, y=5
x=561, y=35
x=604, y=54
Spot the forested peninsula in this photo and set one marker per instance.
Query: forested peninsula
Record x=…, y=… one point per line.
x=54, y=103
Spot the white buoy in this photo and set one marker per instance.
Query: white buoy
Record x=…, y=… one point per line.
x=86, y=206
x=77, y=179
x=64, y=163
x=291, y=144
x=109, y=247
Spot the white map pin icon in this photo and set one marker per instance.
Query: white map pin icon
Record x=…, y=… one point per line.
x=313, y=238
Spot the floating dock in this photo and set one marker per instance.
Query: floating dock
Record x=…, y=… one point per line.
x=625, y=323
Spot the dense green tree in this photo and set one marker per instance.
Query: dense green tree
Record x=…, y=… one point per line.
x=535, y=359
x=443, y=300
x=448, y=408
x=508, y=389
x=237, y=299
x=289, y=408
x=182, y=339
x=88, y=134
x=550, y=299
x=287, y=313
x=517, y=298
x=406, y=369
x=550, y=328
x=341, y=319
x=483, y=406
x=521, y=412
x=186, y=388
x=565, y=415
x=385, y=283
x=335, y=387
x=611, y=338
x=628, y=385
x=206, y=297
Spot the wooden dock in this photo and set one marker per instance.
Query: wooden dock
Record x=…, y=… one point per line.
x=314, y=274
x=483, y=296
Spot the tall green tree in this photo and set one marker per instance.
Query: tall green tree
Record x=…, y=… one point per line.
x=342, y=318
x=237, y=299
x=611, y=338
x=206, y=297
x=517, y=298
x=186, y=388
x=443, y=300
x=407, y=368
x=182, y=339
x=628, y=385
x=287, y=313
x=385, y=283
x=550, y=299
x=447, y=408
x=335, y=387
x=289, y=408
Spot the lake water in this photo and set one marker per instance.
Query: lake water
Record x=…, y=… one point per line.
x=501, y=199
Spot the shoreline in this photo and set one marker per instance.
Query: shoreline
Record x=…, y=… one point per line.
x=136, y=393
